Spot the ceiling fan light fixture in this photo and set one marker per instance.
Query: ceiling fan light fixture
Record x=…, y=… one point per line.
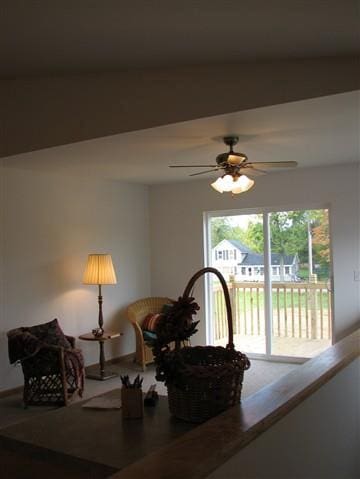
x=227, y=182
x=242, y=184
x=223, y=183
x=232, y=184
x=218, y=185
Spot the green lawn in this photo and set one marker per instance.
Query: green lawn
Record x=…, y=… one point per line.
x=245, y=300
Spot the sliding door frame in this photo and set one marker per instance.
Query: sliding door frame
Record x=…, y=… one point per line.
x=265, y=212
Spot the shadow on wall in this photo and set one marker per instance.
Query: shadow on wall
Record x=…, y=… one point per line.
x=349, y=330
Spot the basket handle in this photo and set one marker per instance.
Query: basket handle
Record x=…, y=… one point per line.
x=190, y=285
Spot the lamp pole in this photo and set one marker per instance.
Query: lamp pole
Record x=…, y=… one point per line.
x=100, y=301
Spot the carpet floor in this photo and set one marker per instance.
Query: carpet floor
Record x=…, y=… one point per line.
x=259, y=375
x=24, y=464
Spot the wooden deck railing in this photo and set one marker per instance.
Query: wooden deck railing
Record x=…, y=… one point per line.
x=299, y=310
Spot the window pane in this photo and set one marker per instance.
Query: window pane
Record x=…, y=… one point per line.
x=244, y=273
x=301, y=302
x=300, y=318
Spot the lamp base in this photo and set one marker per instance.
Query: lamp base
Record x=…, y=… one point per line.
x=102, y=376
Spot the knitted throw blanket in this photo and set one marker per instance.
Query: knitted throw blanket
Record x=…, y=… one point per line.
x=23, y=346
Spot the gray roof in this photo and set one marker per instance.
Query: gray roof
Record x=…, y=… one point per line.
x=240, y=246
x=258, y=259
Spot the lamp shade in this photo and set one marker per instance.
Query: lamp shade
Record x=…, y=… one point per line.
x=99, y=270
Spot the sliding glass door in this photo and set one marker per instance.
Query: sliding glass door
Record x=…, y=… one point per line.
x=301, y=291
x=241, y=262
x=277, y=267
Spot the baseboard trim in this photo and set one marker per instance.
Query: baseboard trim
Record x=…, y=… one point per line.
x=10, y=392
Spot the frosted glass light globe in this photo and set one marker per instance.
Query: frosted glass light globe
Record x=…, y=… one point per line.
x=242, y=184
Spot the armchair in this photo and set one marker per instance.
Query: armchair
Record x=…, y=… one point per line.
x=136, y=313
x=53, y=369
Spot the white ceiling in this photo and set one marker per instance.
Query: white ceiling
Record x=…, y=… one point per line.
x=317, y=132
x=59, y=36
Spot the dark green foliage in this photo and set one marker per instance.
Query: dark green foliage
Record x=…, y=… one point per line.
x=288, y=232
x=175, y=326
x=220, y=229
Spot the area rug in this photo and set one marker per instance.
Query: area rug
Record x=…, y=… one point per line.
x=97, y=441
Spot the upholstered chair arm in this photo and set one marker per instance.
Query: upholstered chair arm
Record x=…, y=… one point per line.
x=138, y=330
x=140, y=345
x=71, y=340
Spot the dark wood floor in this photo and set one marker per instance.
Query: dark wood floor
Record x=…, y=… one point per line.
x=16, y=466
x=20, y=461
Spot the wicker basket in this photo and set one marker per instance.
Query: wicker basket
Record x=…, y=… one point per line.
x=210, y=378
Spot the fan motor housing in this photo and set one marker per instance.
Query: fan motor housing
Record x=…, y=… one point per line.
x=223, y=158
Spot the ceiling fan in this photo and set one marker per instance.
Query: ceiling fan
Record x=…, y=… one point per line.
x=236, y=168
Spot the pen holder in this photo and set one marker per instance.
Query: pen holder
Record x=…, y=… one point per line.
x=132, y=403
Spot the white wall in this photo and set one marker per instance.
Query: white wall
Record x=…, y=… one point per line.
x=176, y=213
x=48, y=225
x=319, y=439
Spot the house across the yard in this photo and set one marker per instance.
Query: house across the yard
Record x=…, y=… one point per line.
x=233, y=258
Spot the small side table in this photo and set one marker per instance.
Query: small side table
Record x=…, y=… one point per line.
x=108, y=335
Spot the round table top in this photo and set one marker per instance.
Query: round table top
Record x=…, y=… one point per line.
x=105, y=336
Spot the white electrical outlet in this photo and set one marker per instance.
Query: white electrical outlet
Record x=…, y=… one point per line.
x=356, y=275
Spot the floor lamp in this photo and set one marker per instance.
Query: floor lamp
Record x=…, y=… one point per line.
x=99, y=270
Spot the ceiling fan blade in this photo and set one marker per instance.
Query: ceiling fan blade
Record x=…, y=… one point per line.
x=203, y=172
x=192, y=166
x=274, y=164
x=250, y=171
